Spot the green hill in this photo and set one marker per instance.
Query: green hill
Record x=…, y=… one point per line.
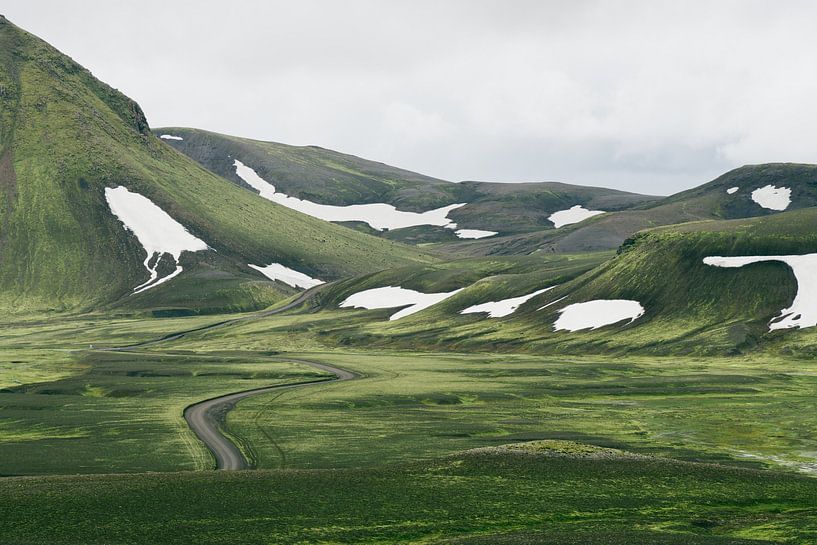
x=328, y=177
x=65, y=137
x=518, y=212
x=690, y=307
x=709, y=201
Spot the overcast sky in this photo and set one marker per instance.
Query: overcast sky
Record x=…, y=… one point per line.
x=649, y=96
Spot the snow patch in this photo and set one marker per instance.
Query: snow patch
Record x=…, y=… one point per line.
x=597, y=313
x=772, y=197
x=378, y=215
x=573, y=214
x=170, y=137
x=474, y=233
x=499, y=309
x=276, y=271
x=393, y=297
x=803, y=310
x=156, y=231
x=732, y=190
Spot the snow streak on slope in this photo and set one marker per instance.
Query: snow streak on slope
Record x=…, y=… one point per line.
x=393, y=297
x=378, y=215
x=474, y=233
x=803, y=310
x=155, y=229
x=573, y=214
x=276, y=271
x=170, y=137
x=771, y=197
x=597, y=313
x=499, y=309
x=732, y=190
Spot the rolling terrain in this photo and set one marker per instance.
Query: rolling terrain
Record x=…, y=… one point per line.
x=710, y=201
x=519, y=213
x=689, y=306
x=328, y=177
x=171, y=302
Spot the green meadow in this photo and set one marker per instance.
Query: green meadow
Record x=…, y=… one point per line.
x=610, y=449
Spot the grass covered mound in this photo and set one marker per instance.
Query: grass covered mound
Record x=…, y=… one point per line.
x=491, y=496
x=557, y=447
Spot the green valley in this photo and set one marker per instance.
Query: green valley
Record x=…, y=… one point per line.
x=210, y=339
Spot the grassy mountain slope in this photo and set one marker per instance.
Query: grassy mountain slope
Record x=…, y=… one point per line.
x=691, y=307
x=66, y=136
x=329, y=177
x=519, y=212
x=313, y=173
x=708, y=201
x=523, y=207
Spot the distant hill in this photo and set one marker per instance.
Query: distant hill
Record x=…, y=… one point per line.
x=519, y=213
x=329, y=177
x=710, y=201
x=67, y=139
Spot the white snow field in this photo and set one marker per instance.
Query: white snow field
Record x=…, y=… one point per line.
x=156, y=231
x=276, y=271
x=474, y=233
x=170, y=137
x=772, y=197
x=597, y=313
x=732, y=190
x=393, y=297
x=803, y=310
x=500, y=309
x=378, y=215
x=574, y=214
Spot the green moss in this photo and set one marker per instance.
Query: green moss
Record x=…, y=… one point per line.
x=488, y=498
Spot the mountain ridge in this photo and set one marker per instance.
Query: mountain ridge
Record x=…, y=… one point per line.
x=333, y=178
x=66, y=136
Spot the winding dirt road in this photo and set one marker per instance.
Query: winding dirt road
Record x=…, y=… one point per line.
x=204, y=417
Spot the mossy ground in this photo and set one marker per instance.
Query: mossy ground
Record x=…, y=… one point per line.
x=479, y=497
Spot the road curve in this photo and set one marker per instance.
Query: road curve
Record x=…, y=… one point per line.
x=204, y=417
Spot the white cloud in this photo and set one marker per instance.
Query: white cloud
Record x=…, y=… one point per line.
x=647, y=95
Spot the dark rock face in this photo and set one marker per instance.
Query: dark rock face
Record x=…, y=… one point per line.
x=139, y=120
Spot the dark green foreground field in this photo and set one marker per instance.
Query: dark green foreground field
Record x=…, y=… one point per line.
x=491, y=496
